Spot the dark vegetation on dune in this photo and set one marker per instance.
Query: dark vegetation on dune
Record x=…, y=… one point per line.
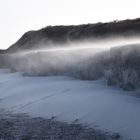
x=62, y=34
x=119, y=66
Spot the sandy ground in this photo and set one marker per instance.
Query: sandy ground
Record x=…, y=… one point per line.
x=90, y=102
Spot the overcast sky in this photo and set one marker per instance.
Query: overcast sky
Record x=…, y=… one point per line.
x=19, y=16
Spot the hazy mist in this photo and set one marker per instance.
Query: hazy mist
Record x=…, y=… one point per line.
x=66, y=59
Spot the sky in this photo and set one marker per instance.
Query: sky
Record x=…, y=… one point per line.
x=20, y=16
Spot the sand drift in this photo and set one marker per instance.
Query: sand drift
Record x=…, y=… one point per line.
x=67, y=99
